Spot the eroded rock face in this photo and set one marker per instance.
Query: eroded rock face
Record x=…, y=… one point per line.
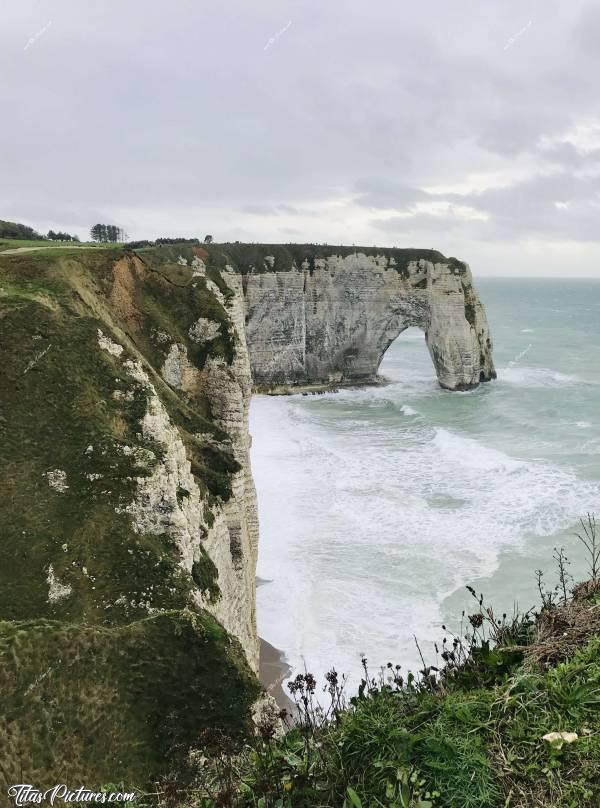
x=129, y=530
x=232, y=541
x=331, y=322
x=226, y=531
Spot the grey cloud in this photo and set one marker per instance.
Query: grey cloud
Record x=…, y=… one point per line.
x=567, y=156
x=587, y=31
x=150, y=113
x=524, y=209
x=422, y=223
x=382, y=192
x=270, y=210
x=530, y=207
x=514, y=133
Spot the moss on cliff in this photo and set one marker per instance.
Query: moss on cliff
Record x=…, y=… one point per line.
x=87, y=703
x=470, y=306
x=205, y=574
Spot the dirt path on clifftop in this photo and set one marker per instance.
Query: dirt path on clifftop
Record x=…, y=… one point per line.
x=31, y=249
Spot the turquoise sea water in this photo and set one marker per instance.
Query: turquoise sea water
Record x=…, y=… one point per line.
x=378, y=505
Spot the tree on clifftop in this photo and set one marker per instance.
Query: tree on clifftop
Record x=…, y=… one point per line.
x=16, y=230
x=97, y=232
x=60, y=236
x=107, y=232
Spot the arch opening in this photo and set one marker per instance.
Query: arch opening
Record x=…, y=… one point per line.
x=407, y=359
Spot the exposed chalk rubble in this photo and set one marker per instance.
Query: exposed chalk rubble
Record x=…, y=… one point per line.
x=57, y=480
x=56, y=590
x=204, y=330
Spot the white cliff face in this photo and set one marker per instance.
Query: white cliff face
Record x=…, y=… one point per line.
x=232, y=542
x=332, y=323
x=169, y=501
x=156, y=508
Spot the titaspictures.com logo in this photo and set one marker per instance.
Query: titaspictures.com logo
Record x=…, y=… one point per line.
x=26, y=794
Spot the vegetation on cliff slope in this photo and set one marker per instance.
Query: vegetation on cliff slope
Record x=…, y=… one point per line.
x=106, y=664
x=257, y=258
x=88, y=703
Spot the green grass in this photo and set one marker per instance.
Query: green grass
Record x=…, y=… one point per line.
x=246, y=257
x=58, y=247
x=469, y=748
x=53, y=412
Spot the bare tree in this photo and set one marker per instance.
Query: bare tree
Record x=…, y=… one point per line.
x=591, y=542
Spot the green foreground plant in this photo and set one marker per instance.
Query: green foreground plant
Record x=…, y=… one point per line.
x=510, y=718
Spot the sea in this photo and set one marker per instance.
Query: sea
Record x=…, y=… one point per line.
x=379, y=505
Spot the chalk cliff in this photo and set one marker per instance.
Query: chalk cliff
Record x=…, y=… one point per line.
x=329, y=319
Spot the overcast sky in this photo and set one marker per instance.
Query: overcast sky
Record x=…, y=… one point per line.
x=468, y=126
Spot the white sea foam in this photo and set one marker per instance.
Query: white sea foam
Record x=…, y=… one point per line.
x=406, y=410
x=355, y=546
x=463, y=451
x=536, y=377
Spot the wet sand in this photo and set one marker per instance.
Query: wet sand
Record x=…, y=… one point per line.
x=273, y=669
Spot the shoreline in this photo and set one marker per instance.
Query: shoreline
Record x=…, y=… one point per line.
x=273, y=669
x=318, y=389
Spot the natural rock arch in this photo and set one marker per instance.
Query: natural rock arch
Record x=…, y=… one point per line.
x=330, y=321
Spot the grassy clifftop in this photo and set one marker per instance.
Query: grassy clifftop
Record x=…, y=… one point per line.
x=97, y=615
x=257, y=258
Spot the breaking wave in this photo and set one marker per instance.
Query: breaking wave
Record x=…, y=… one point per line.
x=537, y=377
